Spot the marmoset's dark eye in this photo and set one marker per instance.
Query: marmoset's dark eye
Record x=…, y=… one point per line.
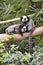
x=28, y=18
x=21, y=18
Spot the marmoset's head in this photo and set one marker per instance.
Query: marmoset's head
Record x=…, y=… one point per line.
x=25, y=18
x=10, y=29
x=23, y=29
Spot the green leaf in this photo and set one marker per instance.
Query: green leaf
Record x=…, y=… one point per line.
x=41, y=43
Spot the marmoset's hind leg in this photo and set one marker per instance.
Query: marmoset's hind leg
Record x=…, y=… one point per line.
x=30, y=43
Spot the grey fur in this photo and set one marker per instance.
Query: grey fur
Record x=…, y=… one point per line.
x=11, y=30
x=30, y=28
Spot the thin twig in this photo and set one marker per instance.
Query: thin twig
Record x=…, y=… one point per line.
x=15, y=19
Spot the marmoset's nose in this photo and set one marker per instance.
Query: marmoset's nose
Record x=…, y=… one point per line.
x=24, y=18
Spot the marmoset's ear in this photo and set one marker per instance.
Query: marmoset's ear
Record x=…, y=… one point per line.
x=21, y=18
x=28, y=18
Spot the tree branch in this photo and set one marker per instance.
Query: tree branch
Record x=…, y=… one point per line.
x=18, y=37
x=15, y=19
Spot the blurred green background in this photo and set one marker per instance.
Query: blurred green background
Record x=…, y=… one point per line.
x=17, y=53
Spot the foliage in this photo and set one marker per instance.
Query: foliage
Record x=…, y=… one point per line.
x=38, y=57
x=11, y=55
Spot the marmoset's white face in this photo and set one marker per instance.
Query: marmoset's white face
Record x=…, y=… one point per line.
x=23, y=29
x=24, y=18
